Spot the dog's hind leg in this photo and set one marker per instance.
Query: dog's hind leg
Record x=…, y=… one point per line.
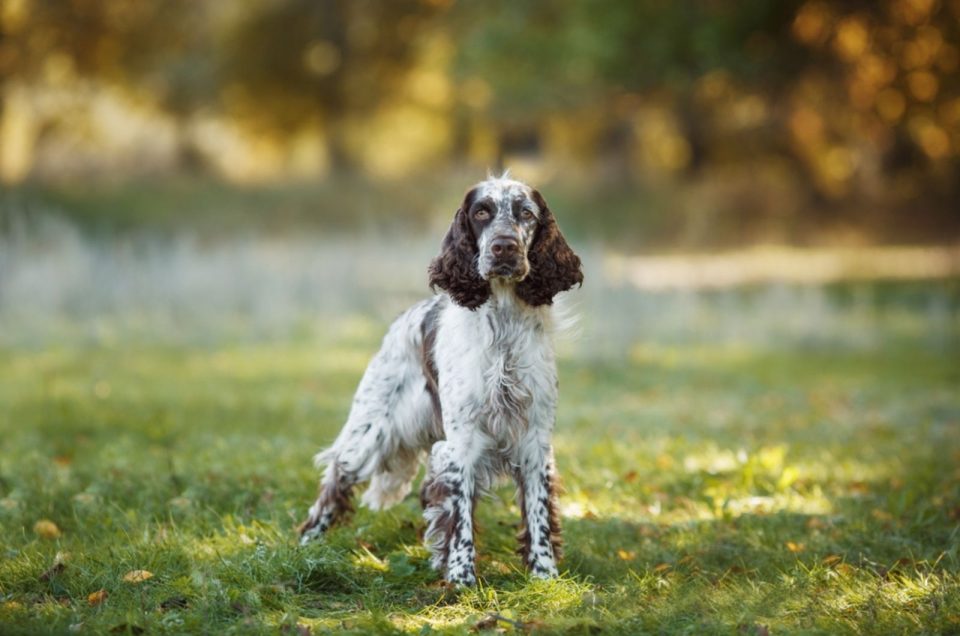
x=389, y=424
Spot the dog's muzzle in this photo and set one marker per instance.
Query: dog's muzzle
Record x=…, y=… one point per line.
x=505, y=257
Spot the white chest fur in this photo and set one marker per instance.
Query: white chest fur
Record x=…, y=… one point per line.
x=498, y=369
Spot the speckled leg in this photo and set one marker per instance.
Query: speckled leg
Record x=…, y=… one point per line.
x=448, y=499
x=537, y=498
x=333, y=502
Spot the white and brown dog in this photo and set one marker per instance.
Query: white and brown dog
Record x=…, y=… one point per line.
x=468, y=378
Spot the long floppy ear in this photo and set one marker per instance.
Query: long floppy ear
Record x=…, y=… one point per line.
x=553, y=265
x=455, y=267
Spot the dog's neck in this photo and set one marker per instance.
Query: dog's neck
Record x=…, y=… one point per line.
x=505, y=306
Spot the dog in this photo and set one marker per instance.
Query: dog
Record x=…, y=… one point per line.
x=467, y=379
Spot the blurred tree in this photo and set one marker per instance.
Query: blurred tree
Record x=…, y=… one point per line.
x=545, y=56
x=289, y=63
x=118, y=42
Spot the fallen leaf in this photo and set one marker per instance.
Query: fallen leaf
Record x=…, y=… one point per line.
x=663, y=567
x=833, y=559
x=626, y=555
x=664, y=462
x=859, y=487
x=46, y=529
x=174, y=602
x=845, y=569
x=754, y=630
x=630, y=477
x=299, y=629
x=795, y=547
x=95, y=598
x=137, y=576
x=57, y=568
x=489, y=622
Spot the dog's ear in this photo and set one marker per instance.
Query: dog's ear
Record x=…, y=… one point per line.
x=455, y=267
x=553, y=265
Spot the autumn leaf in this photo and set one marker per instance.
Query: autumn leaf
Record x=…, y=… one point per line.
x=137, y=576
x=46, y=529
x=845, y=569
x=833, y=559
x=95, y=598
x=795, y=547
x=630, y=477
x=626, y=555
x=662, y=568
x=56, y=569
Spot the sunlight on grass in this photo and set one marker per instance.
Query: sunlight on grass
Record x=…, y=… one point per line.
x=708, y=487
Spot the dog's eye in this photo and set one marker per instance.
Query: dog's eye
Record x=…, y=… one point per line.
x=526, y=214
x=482, y=214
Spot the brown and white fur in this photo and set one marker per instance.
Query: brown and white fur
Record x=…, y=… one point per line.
x=469, y=379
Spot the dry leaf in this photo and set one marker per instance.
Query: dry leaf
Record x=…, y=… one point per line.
x=95, y=598
x=175, y=603
x=57, y=568
x=663, y=567
x=795, y=547
x=46, y=529
x=137, y=576
x=630, y=477
x=833, y=559
x=845, y=569
x=626, y=555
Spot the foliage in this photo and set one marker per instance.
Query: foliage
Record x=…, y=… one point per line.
x=708, y=489
x=845, y=109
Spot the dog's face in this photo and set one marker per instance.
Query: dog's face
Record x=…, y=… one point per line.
x=503, y=217
x=504, y=231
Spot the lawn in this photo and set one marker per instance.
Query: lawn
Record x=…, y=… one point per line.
x=709, y=488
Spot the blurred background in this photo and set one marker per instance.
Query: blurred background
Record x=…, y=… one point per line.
x=785, y=172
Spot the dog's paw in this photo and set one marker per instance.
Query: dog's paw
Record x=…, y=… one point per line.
x=310, y=535
x=311, y=529
x=461, y=577
x=544, y=570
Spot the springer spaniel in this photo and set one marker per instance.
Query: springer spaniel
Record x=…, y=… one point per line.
x=470, y=378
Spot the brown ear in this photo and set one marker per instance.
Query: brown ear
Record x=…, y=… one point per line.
x=455, y=268
x=553, y=265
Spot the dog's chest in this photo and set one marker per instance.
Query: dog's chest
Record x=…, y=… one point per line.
x=514, y=365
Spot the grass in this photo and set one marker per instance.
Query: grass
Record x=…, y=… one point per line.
x=709, y=489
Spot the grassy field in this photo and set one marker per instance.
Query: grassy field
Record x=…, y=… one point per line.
x=709, y=489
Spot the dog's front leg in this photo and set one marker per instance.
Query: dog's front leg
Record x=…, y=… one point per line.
x=537, y=498
x=448, y=497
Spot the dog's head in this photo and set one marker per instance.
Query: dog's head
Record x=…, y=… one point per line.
x=504, y=231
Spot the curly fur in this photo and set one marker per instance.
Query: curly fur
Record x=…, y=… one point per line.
x=554, y=267
x=454, y=270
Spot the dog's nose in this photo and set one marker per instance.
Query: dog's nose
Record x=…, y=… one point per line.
x=504, y=246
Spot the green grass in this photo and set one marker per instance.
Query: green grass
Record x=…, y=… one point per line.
x=708, y=490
